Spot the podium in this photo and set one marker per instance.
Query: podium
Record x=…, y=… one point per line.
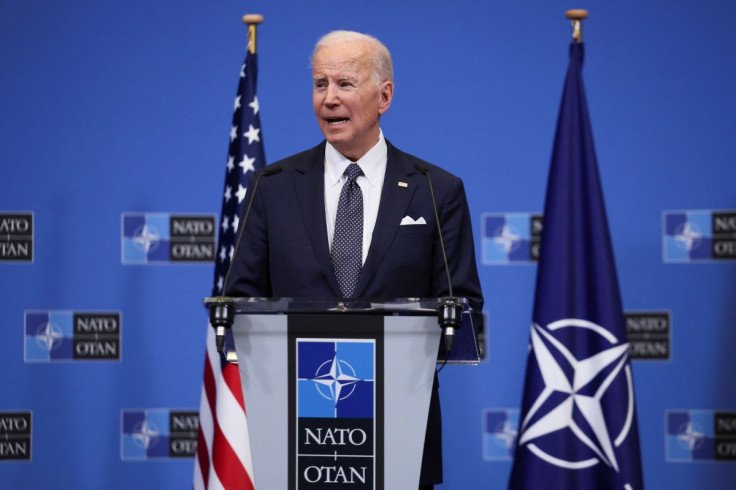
x=337, y=393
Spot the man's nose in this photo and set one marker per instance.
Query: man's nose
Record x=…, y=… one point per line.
x=331, y=95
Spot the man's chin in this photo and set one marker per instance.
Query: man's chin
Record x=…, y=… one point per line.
x=336, y=133
x=338, y=139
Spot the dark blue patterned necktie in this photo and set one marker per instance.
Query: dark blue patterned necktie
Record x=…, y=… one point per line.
x=347, y=243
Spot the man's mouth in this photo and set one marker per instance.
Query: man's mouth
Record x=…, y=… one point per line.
x=336, y=121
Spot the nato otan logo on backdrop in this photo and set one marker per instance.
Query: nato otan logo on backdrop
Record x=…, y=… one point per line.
x=500, y=430
x=649, y=334
x=16, y=237
x=62, y=335
x=693, y=436
x=510, y=238
x=15, y=436
x=164, y=238
x=158, y=434
x=692, y=236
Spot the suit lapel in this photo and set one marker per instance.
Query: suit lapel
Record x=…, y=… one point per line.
x=394, y=203
x=309, y=185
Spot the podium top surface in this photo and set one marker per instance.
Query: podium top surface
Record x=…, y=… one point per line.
x=378, y=306
x=466, y=350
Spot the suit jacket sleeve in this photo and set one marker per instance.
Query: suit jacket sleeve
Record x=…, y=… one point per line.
x=458, y=237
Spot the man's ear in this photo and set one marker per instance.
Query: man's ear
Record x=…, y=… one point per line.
x=386, y=94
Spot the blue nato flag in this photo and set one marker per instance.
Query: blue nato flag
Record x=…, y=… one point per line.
x=578, y=427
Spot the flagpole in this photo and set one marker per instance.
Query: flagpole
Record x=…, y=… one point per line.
x=576, y=19
x=252, y=21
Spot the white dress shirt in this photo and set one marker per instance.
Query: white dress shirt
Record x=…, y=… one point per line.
x=373, y=165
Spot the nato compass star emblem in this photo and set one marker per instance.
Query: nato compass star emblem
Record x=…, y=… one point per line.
x=507, y=238
x=146, y=238
x=505, y=434
x=690, y=436
x=688, y=236
x=49, y=336
x=570, y=399
x=145, y=434
x=335, y=379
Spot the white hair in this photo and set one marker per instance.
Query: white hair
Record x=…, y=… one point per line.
x=383, y=70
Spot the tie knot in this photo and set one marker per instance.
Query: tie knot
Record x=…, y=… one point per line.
x=353, y=172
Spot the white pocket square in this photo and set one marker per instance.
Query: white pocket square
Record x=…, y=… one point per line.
x=409, y=221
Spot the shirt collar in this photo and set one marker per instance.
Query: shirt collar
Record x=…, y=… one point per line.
x=370, y=163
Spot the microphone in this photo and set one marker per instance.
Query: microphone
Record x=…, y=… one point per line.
x=448, y=313
x=221, y=316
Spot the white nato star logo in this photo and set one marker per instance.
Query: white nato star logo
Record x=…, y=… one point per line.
x=584, y=379
x=145, y=434
x=252, y=134
x=146, y=238
x=254, y=105
x=507, y=238
x=49, y=336
x=247, y=164
x=690, y=436
x=505, y=434
x=688, y=236
x=335, y=379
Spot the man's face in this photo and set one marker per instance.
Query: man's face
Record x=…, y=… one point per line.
x=347, y=101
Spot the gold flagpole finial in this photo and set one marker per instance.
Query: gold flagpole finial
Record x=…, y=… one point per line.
x=252, y=21
x=576, y=17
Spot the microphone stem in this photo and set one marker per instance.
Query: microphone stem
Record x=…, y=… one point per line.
x=439, y=232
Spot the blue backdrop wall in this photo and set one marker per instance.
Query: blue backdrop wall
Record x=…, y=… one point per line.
x=108, y=108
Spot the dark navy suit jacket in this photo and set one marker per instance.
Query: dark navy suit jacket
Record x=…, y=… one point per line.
x=285, y=251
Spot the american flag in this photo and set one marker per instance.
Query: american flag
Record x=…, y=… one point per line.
x=223, y=450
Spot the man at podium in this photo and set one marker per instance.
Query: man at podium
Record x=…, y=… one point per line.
x=354, y=217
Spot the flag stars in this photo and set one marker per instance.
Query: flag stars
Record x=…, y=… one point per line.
x=225, y=224
x=236, y=223
x=254, y=105
x=252, y=134
x=233, y=133
x=242, y=71
x=247, y=163
x=241, y=193
x=228, y=193
x=223, y=256
x=230, y=163
x=236, y=106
